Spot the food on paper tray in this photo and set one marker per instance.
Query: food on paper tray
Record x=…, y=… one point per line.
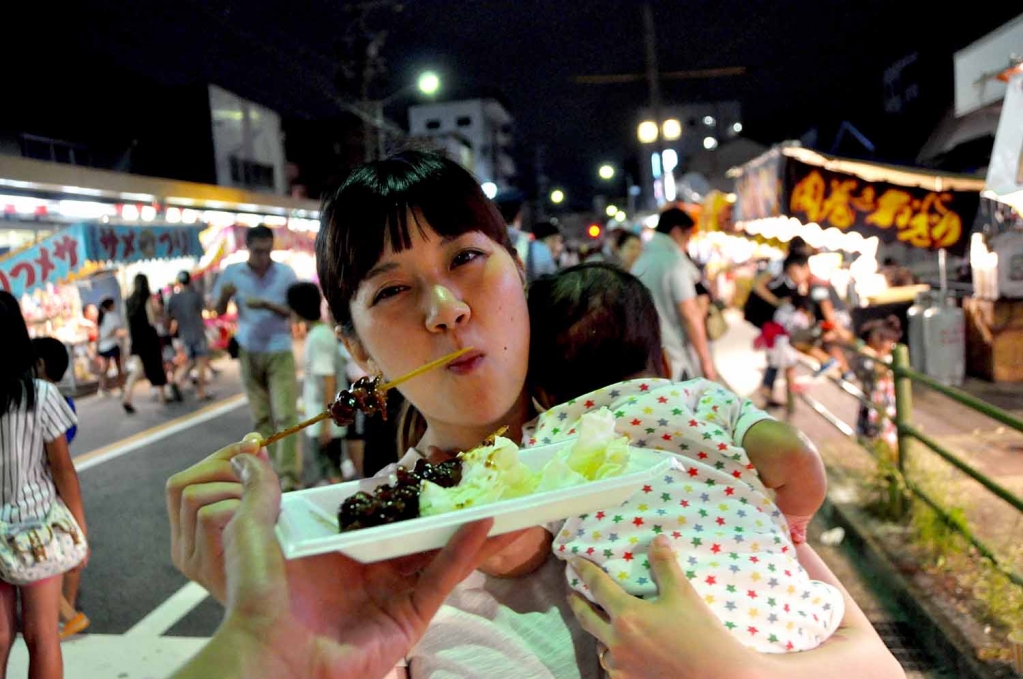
x=489, y=473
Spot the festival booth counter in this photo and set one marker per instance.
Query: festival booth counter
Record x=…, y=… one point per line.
x=852, y=208
x=55, y=279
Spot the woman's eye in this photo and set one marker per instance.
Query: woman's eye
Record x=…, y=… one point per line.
x=389, y=291
x=465, y=256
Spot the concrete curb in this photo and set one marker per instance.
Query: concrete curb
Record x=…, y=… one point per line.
x=934, y=630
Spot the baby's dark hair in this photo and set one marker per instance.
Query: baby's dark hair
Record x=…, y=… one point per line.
x=304, y=299
x=52, y=352
x=591, y=325
x=890, y=329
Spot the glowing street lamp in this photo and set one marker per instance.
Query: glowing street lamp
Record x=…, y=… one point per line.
x=620, y=216
x=647, y=132
x=557, y=196
x=672, y=129
x=710, y=143
x=429, y=83
x=611, y=210
x=489, y=189
x=606, y=171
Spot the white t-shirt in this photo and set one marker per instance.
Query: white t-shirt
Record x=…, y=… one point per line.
x=108, y=338
x=324, y=356
x=671, y=279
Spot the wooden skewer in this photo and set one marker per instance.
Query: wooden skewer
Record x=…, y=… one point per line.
x=443, y=360
x=382, y=388
x=294, y=430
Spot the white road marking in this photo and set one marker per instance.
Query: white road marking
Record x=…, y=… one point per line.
x=109, y=656
x=226, y=407
x=164, y=616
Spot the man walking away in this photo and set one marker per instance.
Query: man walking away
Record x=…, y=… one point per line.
x=665, y=268
x=185, y=308
x=260, y=289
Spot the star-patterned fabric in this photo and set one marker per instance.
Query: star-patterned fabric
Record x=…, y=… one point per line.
x=731, y=540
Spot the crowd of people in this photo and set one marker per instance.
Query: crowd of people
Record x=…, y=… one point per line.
x=410, y=269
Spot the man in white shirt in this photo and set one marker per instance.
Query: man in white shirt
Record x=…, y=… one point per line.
x=669, y=274
x=260, y=288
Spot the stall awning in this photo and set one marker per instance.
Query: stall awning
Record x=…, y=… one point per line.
x=219, y=243
x=919, y=208
x=76, y=248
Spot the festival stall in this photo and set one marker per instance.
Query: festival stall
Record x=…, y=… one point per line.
x=856, y=212
x=857, y=208
x=80, y=265
x=995, y=311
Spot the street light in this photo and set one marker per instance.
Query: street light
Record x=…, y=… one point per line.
x=672, y=129
x=620, y=216
x=647, y=132
x=611, y=210
x=606, y=171
x=557, y=196
x=489, y=189
x=710, y=143
x=737, y=127
x=429, y=83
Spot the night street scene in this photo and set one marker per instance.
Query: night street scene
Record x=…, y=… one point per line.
x=511, y=339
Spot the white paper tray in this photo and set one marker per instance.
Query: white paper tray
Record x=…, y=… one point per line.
x=308, y=521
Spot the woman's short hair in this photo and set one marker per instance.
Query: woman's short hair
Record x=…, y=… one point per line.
x=370, y=211
x=591, y=325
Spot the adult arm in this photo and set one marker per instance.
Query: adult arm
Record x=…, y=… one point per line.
x=762, y=291
x=223, y=291
x=642, y=637
x=377, y=612
x=259, y=303
x=694, y=318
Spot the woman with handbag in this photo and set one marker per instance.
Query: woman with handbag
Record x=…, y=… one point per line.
x=42, y=521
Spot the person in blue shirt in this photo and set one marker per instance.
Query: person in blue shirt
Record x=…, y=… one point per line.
x=259, y=287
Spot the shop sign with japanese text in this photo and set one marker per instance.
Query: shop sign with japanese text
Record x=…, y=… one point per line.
x=126, y=244
x=915, y=216
x=53, y=259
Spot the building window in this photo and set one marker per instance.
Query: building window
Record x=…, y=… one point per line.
x=251, y=174
x=464, y=121
x=433, y=124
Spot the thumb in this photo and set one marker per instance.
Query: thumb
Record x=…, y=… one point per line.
x=672, y=584
x=261, y=490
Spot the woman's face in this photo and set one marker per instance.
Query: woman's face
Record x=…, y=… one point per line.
x=630, y=252
x=436, y=297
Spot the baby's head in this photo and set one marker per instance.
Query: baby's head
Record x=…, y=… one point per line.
x=591, y=325
x=51, y=358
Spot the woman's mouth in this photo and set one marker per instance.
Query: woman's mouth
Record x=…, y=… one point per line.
x=466, y=364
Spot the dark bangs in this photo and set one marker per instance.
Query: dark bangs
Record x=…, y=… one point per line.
x=371, y=211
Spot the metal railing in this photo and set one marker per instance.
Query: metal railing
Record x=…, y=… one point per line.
x=904, y=378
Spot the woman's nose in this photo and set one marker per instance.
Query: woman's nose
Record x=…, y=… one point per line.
x=446, y=310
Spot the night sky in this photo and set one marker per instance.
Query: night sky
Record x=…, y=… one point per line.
x=809, y=64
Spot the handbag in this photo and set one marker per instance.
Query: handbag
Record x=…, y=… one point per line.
x=716, y=324
x=35, y=550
